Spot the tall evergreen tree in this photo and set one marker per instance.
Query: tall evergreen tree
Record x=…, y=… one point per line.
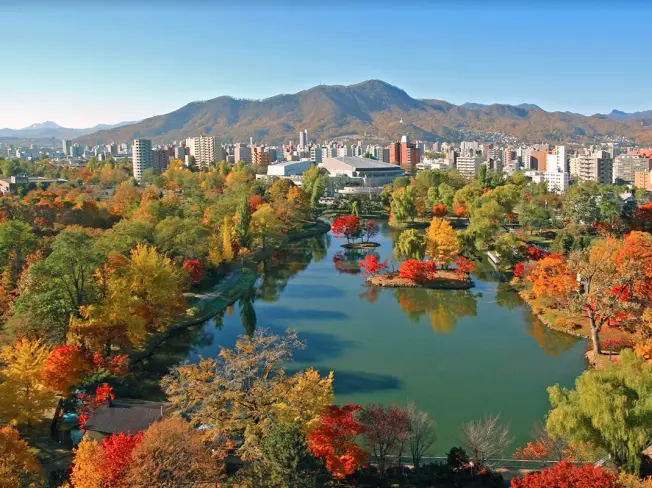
x=242, y=225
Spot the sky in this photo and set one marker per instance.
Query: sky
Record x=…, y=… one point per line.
x=83, y=63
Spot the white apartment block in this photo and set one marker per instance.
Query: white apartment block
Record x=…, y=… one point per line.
x=556, y=161
x=202, y=150
x=557, y=181
x=141, y=157
x=594, y=167
x=468, y=166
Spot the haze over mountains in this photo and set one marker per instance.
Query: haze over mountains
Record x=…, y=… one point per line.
x=50, y=129
x=375, y=108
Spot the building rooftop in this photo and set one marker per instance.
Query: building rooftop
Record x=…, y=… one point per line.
x=125, y=417
x=357, y=162
x=289, y=163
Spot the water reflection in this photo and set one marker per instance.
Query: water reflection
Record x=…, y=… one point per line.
x=443, y=307
x=551, y=342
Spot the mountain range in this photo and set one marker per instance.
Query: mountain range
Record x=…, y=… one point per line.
x=374, y=108
x=49, y=129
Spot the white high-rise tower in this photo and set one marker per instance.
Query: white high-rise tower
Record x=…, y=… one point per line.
x=142, y=157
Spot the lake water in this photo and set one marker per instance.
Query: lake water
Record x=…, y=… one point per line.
x=459, y=355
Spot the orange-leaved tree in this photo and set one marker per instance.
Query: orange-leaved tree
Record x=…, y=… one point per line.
x=18, y=466
x=334, y=440
x=551, y=278
x=65, y=367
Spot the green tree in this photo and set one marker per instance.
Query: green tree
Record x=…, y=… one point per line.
x=183, y=237
x=17, y=241
x=411, y=244
x=404, y=204
x=446, y=194
x=243, y=219
x=285, y=459
x=610, y=408
x=401, y=182
x=581, y=203
x=485, y=221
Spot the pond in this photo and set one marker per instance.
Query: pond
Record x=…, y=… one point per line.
x=459, y=355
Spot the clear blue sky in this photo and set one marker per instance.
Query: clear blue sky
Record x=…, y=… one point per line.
x=80, y=65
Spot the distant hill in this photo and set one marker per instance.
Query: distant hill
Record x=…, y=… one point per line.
x=372, y=107
x=618, y=115
x=49, y=129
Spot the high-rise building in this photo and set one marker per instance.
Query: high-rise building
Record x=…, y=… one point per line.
x=260, y=156
x=539, y=160
x=403, y=152
x=627, y=165
x=180, y=153
x=160, y=160
x=315, y=154
x=202, y=149
x=66, y=144
x=556, y=160
x=595, y=167
x=468, y=166
x=303, y=139
x=141, y=157
x=242, y=153
x=76, y=151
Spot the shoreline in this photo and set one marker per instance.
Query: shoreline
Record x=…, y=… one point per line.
x=223, y=293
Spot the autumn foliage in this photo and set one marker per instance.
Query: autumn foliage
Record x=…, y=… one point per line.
x=89, y=402
x=465, y=266
x=460, y=211
x=65, y=367
x=195, y=270
x=18, y=466
x=370, y=265
x=334, y=440
x=439, y=210
x=552, y=277
x=565, y=474
x=418, y=271
x=347, y=226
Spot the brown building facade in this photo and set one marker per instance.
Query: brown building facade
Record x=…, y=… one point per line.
x=643, y=180
x=539, y=160
x=403, y=152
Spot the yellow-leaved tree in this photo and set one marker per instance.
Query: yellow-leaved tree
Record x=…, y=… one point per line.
x=88, y=456
x=243, y=391
x=18, y=466
x=442, y=244
x=23, y=397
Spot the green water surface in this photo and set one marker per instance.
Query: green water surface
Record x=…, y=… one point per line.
x=459, y=355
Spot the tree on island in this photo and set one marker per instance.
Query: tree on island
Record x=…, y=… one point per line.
x=370, y=230
x=442, y=244
x=347, y=226
x=411, y=245
x=371, y=266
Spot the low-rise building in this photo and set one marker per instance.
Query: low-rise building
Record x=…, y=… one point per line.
x=627, y=165
x=362, y=172
x=643, y=180
x=289, y=168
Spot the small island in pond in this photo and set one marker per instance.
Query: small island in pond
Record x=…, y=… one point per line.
x=444, y=280
x=350, y=227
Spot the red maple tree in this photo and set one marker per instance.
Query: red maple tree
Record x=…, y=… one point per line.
x=439, y=210
x=460, y=210
x=370, y=230
x=386, y=428
x=565, y=474
x=334, y=440
x=642, y=217
x=465, y=267
x=89, y=403
x=117, y=456
x=370, y=265
x=346, y=226
x=419, y=271
x=195, y=270
x=254, y=202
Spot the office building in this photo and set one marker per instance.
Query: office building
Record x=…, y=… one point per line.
x=289, y=168
x=160, y=160
x=66, y=145
x=76, y=151
x=242, y=153
x=538, y=160
x=557, y=181
x=202, y=150
x=556, y=160
x=141, y=157
x=626, y=166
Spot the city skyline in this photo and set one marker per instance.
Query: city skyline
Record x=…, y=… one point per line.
x=90, y=72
